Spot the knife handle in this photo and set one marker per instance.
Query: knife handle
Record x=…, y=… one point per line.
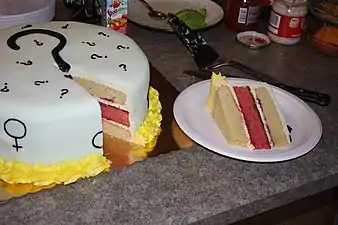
x=307, y=95
x=304, y=94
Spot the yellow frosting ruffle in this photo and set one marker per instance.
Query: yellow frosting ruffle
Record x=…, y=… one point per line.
x=67, y=172
x=22, y=189
x=146, y=135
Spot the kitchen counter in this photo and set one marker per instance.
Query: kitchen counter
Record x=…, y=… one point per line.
x=195, y=185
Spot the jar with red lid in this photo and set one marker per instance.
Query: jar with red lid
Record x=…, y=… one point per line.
x=242, y=15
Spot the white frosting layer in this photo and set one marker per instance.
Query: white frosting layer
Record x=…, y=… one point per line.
x=59, y=129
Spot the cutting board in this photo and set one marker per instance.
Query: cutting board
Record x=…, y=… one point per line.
x=171, y=138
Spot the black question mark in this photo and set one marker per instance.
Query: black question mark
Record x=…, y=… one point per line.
x=65, y=26
x=103, y=34
x=39, y=82
x=27, y=26
x=96, y=56
x=64, y=92
x=38, y=43
x=16, y=138
x=68, y=76
x=124, y=66
x=28, y=63
x=94, y=139
x=120, y=47
x=5, y=89
x=63, y=65
x=89, y=43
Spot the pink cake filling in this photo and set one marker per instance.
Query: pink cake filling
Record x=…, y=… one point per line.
x=252, y=118
x=114, y=114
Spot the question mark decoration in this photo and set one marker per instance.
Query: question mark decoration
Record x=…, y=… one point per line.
x=96, y=56
x=38, y=43
x=5, y=89
x=103, y=34
x=63, y=65
x=39, y=82
x=28, y=63
x=27, y=26
x=68, y=76
x=124, y=66
x=91, y=44
x=120, y=47
x=64, y=92
x=65, y=26
x=16, y=137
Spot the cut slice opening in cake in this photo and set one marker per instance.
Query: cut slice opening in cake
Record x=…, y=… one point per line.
x=116, y=119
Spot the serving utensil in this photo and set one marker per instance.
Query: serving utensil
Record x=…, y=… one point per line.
x=157, y=15
x=208, y=60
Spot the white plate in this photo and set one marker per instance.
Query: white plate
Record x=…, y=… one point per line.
x=193, y=119
x=25, y=12
x=138, y=13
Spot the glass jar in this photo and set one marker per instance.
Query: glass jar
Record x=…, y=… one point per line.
x=242, y=15
x=287, y=21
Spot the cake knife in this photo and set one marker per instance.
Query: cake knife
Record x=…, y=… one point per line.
x=207, y=59
x=306, y=95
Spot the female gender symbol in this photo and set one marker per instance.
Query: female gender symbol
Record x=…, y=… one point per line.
x=98, y=135
x=16, y=137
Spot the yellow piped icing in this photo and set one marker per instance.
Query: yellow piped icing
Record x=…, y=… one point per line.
x=216, y=81
x=67, y=172
x=146, y=135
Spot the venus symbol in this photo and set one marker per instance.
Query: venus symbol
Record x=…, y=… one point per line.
x=16, y=129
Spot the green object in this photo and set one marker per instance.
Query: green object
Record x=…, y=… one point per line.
x=195, y=19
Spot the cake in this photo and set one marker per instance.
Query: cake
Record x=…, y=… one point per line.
x=247, y=115
x=65, y=89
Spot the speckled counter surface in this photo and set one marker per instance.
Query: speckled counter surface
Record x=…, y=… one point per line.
x=195, y=185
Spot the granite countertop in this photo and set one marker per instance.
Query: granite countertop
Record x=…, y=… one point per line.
x=195, y=185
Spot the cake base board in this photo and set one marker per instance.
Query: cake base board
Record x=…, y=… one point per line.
x=171, y=138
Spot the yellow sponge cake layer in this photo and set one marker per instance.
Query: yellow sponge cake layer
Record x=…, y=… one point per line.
x=229, y=118
x=277, y=128
x=101, y=91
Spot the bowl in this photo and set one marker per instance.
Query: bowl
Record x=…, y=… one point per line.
x=313, y=4
x=325, y=41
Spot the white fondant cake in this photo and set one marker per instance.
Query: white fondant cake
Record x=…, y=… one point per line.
x=45, y=116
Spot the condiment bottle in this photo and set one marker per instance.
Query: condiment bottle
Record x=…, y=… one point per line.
x=287, y=20
x=242, y=15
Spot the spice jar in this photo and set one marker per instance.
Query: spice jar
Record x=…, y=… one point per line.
x=242, y=15
x=287, y=20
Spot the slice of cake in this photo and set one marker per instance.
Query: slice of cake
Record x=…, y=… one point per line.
x=247, y=115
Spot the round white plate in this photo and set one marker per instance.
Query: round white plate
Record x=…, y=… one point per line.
x=25, y=12
x=138, y=13
x=195, y=121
